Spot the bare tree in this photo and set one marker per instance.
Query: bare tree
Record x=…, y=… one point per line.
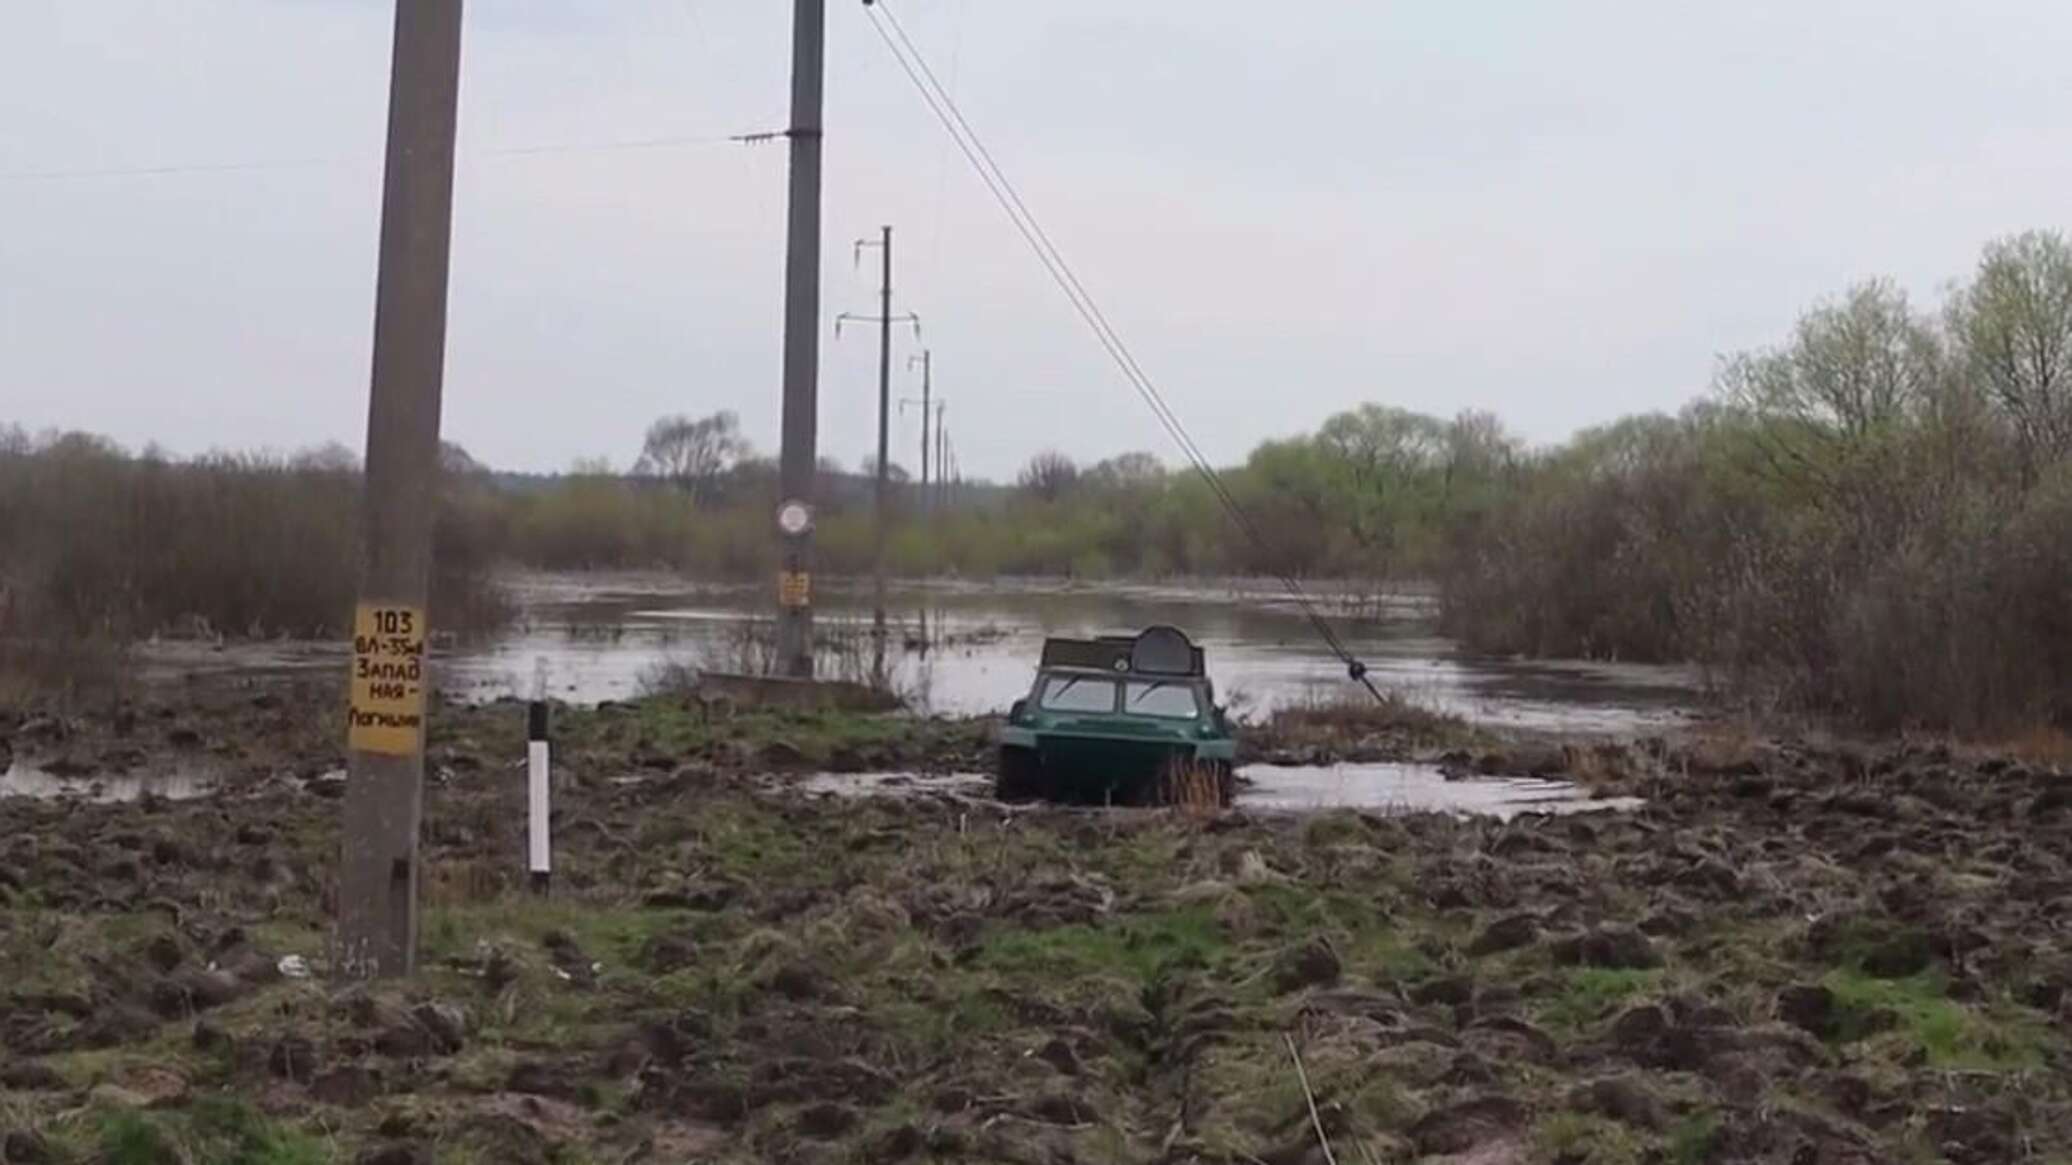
x=1126, y=471
x=456, y=461
x=1854, y=373
x=1049, y=475
x=1378, y=443
x=332, y=457
x=692, y=453
x=1477, y=445
x=894, y=472
x=2015, y=325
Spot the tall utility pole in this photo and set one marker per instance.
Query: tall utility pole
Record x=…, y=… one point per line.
x=799, y=450
x=384, y=804
x=926, y=361
x=927, y=394
x=942, y=458
x=884, y=319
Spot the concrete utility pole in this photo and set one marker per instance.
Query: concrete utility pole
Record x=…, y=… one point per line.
x=799, y=451
x=384, y=805
x=926, y=361
x=942, y=458
x=884, y=450
x=884, y=319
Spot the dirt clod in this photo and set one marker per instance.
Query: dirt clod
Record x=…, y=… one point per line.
x=1310, y=964
x=1459, y=1128
x=1506, y=934
x=827, y=1121
x=1808, y=1007
x=347, y=1087
x=25, y=1147
x=29, y=1076
x=444, y=1024
x=1611, y=947
x=1624, y=1099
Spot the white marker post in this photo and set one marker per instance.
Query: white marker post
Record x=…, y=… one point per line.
x=538, y=767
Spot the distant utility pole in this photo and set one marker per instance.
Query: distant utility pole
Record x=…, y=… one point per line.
x=927, y=362
x=384, y=803
x=884, y=319
x=942, y=458
x=799, y=452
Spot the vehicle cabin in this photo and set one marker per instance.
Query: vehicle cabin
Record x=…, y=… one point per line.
x=1119, y=719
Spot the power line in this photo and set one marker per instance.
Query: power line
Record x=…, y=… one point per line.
x=660, y=143
x=939, y=101
x=942, y=168
x=173, y=169
x=262, y=166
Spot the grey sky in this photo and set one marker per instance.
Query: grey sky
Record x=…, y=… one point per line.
x=1556, y=211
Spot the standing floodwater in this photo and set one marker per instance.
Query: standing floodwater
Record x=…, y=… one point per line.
x=966, y=648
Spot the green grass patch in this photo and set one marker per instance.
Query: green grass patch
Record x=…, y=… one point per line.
x=1576, y=1139
x=1143, y=947
x=1371, y=941
x=1952, y=1034
x=1691, y=1140
x=1585, y=994
x=606, y=933
x=219, y=1130
x=52, y=951
x=671, y=726
x=1874, y=946
x=938, y=1028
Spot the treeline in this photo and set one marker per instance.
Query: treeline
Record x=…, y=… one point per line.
x=102, y=545
x=1872, y=519
x=1371, y=495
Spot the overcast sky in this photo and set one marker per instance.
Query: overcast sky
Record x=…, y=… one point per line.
x=1561, y=212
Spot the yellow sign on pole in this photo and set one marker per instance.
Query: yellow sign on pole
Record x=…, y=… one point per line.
x=388, y=681
x=794, y=588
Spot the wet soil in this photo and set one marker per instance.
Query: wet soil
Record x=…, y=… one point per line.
x=1788, y=953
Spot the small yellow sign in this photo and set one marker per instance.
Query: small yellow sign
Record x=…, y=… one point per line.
x=794, y=588
x=386, y=713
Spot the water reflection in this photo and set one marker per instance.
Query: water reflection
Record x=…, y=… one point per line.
x=1413, y=788
x=963, y=649
x=178, y=784
x=1384, y=788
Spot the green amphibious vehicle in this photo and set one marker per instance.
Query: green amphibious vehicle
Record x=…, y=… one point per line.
x=1119, y=720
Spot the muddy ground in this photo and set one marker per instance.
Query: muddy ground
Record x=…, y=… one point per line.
x=1791, y=954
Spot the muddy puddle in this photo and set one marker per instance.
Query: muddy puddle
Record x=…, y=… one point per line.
x=26, y=780
x=1384, y=788
x=1413, y=788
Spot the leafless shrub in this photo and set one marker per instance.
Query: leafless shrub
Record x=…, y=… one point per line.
x=103, y=544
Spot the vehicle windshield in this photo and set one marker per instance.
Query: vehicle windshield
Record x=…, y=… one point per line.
x=1077, y=694
x=1167, y=700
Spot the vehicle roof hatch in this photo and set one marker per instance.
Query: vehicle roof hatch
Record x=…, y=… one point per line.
x=1162, y=651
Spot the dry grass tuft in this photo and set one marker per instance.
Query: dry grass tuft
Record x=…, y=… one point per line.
x=1351, y=717
x=2040, y=744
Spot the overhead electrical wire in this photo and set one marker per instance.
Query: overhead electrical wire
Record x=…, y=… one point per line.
x=262, y=166
x=939, y=101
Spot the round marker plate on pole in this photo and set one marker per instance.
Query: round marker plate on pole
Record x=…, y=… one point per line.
x=794, y=518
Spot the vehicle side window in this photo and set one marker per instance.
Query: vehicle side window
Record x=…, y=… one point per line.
x=1171, y=701
x=1077, y=694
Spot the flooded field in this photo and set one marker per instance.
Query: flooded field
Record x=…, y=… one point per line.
x=964, y=649
x=958, y=650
